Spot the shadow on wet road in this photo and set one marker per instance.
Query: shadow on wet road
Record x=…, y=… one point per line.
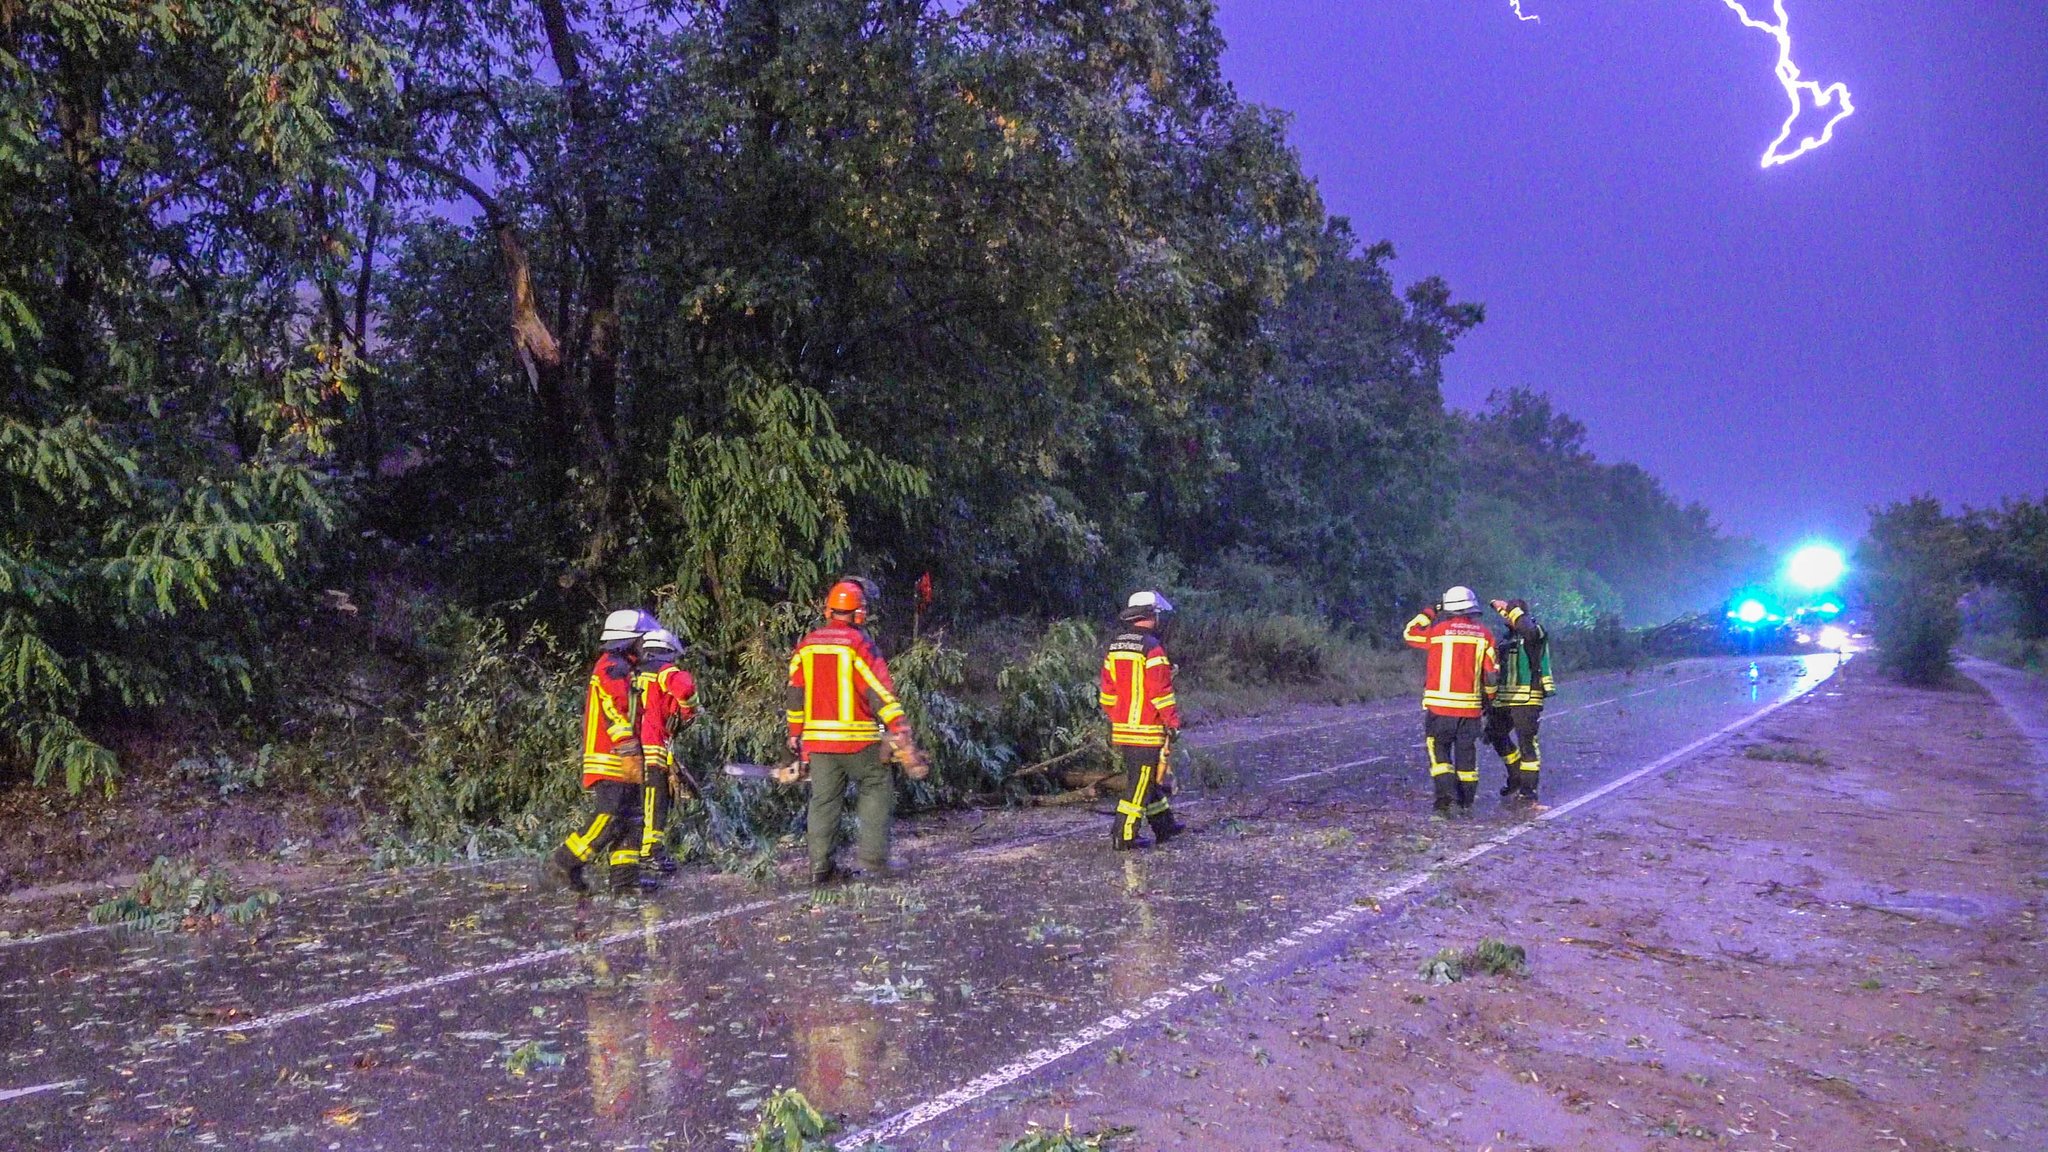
x=466, y=1009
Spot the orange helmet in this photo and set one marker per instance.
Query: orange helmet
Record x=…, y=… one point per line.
x=848, y=596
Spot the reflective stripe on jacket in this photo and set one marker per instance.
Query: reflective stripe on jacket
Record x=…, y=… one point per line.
x=667, y=694
x=608, y=720
x=837, y=699
x=1137, y=691
x=1463, y=666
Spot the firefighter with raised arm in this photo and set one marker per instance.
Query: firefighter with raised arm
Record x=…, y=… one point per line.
x=1517, y=712
x=614, y=762
x=1137, y=697
x=1463, y=670
x=841, y=711
x=668, y=702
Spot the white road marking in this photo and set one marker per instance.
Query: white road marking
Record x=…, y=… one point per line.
x=1330, y=769
x=1037, y=1059
x=524, y=960
x=7, y=1094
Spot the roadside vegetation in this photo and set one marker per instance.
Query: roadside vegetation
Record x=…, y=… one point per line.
x=339, y=397
x=1978, y=578
x=180, y=895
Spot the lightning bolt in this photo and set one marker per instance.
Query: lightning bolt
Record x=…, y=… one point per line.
x=1788, y=78
x=1832, y=95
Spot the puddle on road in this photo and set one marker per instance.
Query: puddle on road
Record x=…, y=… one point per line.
x=869, y=1000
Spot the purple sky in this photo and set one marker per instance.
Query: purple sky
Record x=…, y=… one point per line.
x=1787, y=346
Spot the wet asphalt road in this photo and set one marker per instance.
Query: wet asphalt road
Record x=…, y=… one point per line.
x=464, y=1009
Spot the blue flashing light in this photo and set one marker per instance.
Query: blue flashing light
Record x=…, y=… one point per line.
x=1750, y=612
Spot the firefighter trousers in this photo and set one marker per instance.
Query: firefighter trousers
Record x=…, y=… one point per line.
x=874, y=805
x=657, y=797
x=1453, y=746
x=614, y=829
x=1145, y=795
x=1512, y=732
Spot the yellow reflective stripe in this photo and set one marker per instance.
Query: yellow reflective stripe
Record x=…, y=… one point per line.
x=794, y=716
x=1469, y=777
x=845, y=666
x=830, y=729
x=1133, y=808
x=891, y=712
x=1166, y=701
x=1157, y=661
x=579, y=844
x=1104, y=699
x=603, y=760
x=604, y=700
x=1532, y=765
x=621, y=856
x=1452, y=699
x=659, y=756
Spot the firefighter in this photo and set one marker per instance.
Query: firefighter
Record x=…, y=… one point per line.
x=840, y=709
x=1137, y=697
x=1462, y=673
x=668, y=702
x=613, y=762
x=1517, y=712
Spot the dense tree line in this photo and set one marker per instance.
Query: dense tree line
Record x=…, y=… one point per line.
x=1919, y=565
x=317, y=318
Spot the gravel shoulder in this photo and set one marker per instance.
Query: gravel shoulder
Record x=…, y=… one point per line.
x=1742, y=952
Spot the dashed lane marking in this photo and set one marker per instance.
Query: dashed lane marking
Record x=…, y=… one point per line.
x=1258, y=958
x=510, y=963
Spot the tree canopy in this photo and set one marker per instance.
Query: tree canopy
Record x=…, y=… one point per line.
x=537, y=307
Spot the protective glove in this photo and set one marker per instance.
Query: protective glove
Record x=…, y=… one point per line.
x=1500, y=606
x=789, y=773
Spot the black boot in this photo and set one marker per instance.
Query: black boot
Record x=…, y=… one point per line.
x=1165, y=827
x=1446, y=793
x=625, y=879
x=563, y=870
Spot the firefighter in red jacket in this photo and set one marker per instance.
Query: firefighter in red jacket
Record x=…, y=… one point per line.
x=668, y=702
x=1463, y=671
x=1137, y=697
x=613, y=761
x=840, y=706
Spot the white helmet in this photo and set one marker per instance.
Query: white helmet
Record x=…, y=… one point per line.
x=625, y=624
x=1460, y=599
x=661, y=640
x=1145, y=605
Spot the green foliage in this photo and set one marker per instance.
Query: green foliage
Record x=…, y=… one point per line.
x=1446, y=967
x=1787, y=753
x=1065, y=1139
x=763, y=507
x=1490, y=956
x=1542, y=520
x=166, y=389
x=789, y=1123
x=490, y=760
x=530, y=1055
x=1497, y=958
x=177, y=894
x=1913, y=562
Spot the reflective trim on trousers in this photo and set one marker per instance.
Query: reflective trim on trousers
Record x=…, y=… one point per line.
x=579, y=843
